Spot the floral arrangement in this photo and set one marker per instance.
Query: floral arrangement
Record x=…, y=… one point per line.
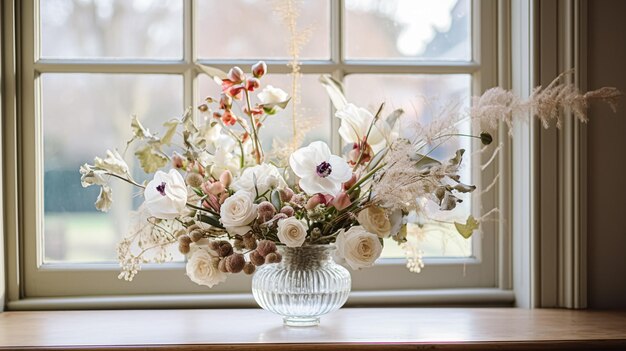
x=228, y=204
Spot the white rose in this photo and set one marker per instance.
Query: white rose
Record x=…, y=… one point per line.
x=202, y=268
x=271, y=95
x=166, y=195
x=267, y=177
x=375, y=220
x=291, y=232
x=358, y=247
x=238, y=211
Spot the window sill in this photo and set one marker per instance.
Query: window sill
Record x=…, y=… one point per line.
x=424, y=297
x=347, y=329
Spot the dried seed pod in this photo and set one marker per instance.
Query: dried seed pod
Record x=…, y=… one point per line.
x=256, y=258
x=196, y=235
x=225, y=248
x=238, y=244
x=287, y=210
x=222, y=266
x=194, y=179
x=265, y=247
x=279, y=257
x=249, y=268
x=214, y=245
x=179, y=232
x=235, y=263
x=183, y=248
x=272, y=257
x=249, y=242
x=184, y=240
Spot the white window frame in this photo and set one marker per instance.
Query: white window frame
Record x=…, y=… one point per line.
x=484, y=278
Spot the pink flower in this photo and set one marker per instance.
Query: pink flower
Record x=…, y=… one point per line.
x=342, y=201
x=252, y=84
x=259, y=69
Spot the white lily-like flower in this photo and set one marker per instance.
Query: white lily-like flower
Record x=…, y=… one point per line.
x=113, y=163
x=320, y=172
x=355, y=122
x=272, y=95
x=166, y=195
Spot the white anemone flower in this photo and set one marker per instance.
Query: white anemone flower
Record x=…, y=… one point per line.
x=320, y=172
x=166, y=195
x=355, y=122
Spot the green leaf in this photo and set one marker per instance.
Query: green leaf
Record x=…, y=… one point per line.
x=170, y=131
x=468, y=228
x=213, y=72
x=187, y=121
x=275, y=199
x=486, y=138
x=458, y=157
x=424, y=161
x=210, y=220
x=150, y=159
x=393, y=117
x=139, y=131
x=272, y=105
x=334, y=89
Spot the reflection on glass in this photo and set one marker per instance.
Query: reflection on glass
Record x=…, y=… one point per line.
x=408, y=29
x=410, y=93
x=314, y=109
x=83, y=115
x=254, y=29
x=111, y=29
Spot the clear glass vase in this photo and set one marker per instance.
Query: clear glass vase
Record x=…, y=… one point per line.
x=305, y=285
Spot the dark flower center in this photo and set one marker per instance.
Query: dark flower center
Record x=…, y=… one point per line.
x=324, y=169
x=161, y=188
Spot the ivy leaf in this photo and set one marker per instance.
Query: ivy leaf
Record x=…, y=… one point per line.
x=468, y=228
x=334, y=88
x=150, y=159
x=170, y=131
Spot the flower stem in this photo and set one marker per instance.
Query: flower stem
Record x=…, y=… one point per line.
x=255, y=136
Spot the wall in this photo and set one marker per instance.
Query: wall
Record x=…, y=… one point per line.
x=607, y=158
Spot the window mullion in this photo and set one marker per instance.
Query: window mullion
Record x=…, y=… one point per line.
x=189, y=75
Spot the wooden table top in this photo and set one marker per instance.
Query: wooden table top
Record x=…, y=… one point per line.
x=347, y=329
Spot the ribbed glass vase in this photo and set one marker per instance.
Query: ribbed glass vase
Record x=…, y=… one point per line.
x=305, y=285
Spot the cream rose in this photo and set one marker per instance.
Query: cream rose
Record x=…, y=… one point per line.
x=358, y=247
x=291, y=232
x=266, y=176
x=202, y=268
x=166, y=195
x=375, y=220
x=238, y=212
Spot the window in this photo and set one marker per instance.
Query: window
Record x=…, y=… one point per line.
x=87, y=65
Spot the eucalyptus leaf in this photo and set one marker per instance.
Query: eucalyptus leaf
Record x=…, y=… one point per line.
x=334, y=88
x=275, y=199
x=468, y=228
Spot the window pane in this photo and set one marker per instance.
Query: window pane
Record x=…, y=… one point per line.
x=314, y=108
x=408, y=29
x=254, y=29
x=83, y=115
x=111, y=29
x=410, y=93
